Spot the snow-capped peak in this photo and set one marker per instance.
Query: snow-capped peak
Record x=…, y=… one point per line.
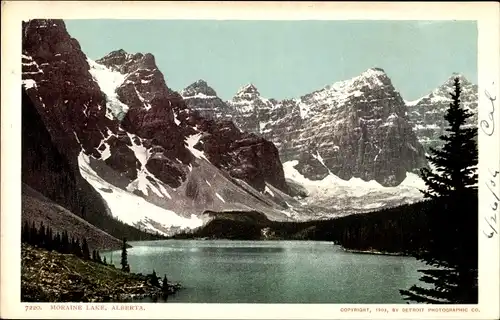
x=341, y=91
x=442, y=93
x=373, y=72
x=372, y=77
x=248, y=99
x=198, y=89
x=248, y=90
x=463, y=80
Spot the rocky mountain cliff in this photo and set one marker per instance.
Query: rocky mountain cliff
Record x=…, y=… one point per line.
x=427, y=113
x=155, y=163
x=356, y=128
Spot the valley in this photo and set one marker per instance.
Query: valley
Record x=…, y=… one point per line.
x=356, y=145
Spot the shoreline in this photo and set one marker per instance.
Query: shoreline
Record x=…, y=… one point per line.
x=48, y=276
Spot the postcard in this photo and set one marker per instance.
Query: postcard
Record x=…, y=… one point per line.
x=247, y=160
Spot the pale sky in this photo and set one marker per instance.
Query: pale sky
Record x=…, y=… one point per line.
x=287, y=59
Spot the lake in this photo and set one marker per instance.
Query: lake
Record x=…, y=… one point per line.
x=223, y=271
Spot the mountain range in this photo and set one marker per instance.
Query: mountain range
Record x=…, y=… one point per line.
x=109, y=141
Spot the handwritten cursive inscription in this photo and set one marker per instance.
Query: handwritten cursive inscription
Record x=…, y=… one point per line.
x=488, y=125
x=491, y=220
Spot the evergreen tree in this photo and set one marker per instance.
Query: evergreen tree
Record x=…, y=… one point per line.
x=25, y=236
x=124, y=261
x=165, y=284
x=85, y=249
x=41, y=235
x=78, y=248
x=57, y=242
x=50, y=238
x=75, y=247
x=154, y=279
x=34, y=234
x=104, y=261
x=65, y=244
x=451, y=249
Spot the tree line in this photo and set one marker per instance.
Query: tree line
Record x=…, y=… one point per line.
x=44, y=237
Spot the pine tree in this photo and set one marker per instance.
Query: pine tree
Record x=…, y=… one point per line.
x=50, y=238
x=165, y=284
x=34, y=234
x=451, y=249
x=57, y=242
x=78, y=248
x=124, y=261
x=41, y=235
x=75, y=248
x=85, y=249
x=25, y=232
x=154, y=279
x=65, y=242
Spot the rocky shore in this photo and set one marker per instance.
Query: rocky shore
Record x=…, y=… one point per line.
x=54, y=277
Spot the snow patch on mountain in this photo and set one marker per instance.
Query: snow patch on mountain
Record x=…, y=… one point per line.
x=144, y=179
x=355, y=193
x=266, y=189
x=243, y=106
x=144, y=102
x=141, y=153
x=29, y=83
x=412, y=103
x=191, y=141
x=106, y=153
x=109, y=80
x=131, y=209
x=220, y=197
x=199, y=96
x=318, y=157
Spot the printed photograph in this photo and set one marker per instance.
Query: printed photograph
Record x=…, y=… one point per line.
x=233, y=161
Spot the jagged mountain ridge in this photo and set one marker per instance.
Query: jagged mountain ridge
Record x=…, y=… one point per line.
x=156, y=163
x=354, y=128
x=285, y=122
x=110, y=118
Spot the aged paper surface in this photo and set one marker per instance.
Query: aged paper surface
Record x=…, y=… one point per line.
x=485, y=13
